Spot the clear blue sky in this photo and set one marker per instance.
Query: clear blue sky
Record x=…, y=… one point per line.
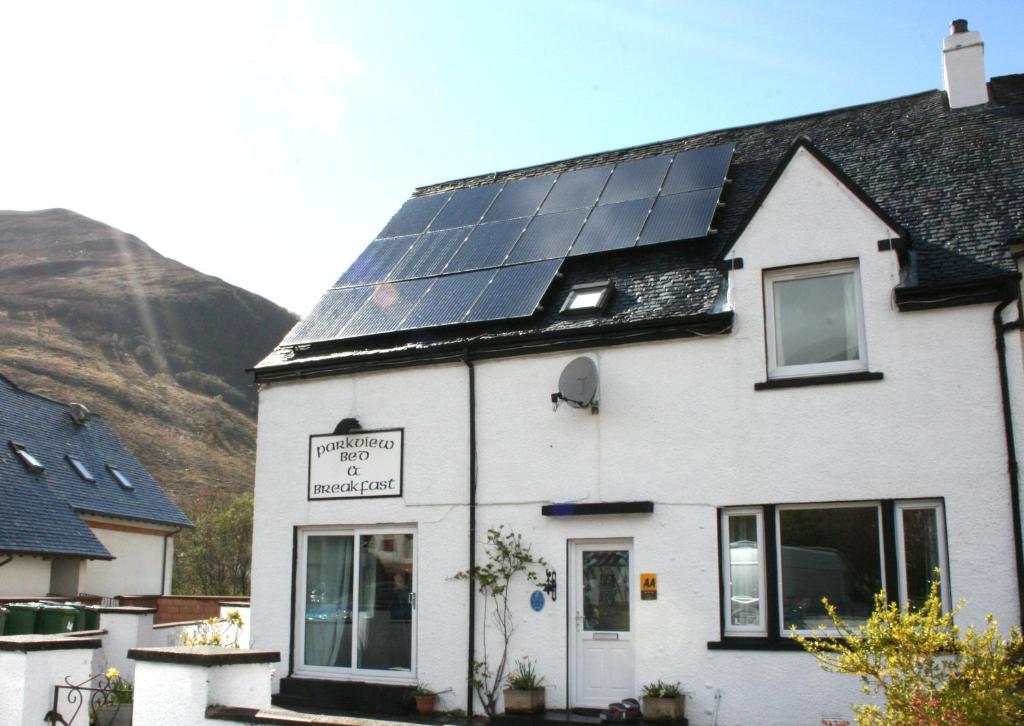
x=267, y=143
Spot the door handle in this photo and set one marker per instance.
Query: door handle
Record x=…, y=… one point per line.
x=579, y=622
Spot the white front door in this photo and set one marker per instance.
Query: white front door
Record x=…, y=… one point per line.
x=601, y=623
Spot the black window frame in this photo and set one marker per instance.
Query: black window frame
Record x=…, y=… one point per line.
x=778, y=638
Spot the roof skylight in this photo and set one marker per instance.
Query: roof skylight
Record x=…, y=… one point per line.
x=588, y=298
x=121, y=477
x=81, y=469
x=31, y=462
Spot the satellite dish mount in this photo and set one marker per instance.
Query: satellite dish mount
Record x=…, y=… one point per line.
x=577, y=386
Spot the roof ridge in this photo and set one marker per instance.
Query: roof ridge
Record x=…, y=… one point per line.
x=494, y=175
x=40, y=396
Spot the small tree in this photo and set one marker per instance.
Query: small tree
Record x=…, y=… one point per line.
x=505, y=557
x=929, y=673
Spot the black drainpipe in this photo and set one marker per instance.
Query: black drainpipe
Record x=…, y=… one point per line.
x=1012, y=467
x=472, y=535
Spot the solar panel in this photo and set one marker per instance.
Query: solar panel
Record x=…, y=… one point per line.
x=549, y=236
x=515, y=291
x=681, y=216
x=576, y=189
x=388, y=304
x=377, y=260
x=448, y=300
x=415, y=215
x=430, y=254
x=636, y=179
x=490, y=252
x=467, y=206
x=520, y=198
x=698, y=169
x=329, y=316
x=487, y=245
x=612, y=227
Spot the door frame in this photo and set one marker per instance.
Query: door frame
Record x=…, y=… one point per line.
x=572, y=579
x=365, y=675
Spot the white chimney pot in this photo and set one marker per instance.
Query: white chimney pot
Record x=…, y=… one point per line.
x=963, y=67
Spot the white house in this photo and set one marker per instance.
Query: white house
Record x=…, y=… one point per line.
x=797, y=331
x=79, y=514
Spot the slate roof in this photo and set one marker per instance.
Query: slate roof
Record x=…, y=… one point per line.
x=39, y=512
x=953, y=179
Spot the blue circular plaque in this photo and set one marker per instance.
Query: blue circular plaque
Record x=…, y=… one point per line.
x=537, y=600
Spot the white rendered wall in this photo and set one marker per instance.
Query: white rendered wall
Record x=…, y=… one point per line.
x=126, y=628
x=680, y=424
x=25, y=576
x=136, y=569
x=27, y=681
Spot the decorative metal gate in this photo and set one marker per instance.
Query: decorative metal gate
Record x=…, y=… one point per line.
x=98, y=700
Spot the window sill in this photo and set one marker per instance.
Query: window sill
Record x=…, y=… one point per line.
x=754, y=643
x=800, y=382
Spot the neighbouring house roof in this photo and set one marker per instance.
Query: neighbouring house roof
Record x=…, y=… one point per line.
x=40, y=510
x=952, y=180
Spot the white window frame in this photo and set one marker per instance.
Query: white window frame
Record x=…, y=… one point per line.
x=901, y=554
x=783, y=630
x=761, y=628
x=299, y=631
x=812, y=369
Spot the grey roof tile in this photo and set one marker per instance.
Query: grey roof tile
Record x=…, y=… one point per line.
x=38, y=511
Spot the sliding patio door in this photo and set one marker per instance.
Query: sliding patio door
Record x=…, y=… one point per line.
x=356, y=604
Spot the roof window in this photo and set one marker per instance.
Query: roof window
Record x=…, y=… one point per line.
x=31, y=462
x=588, y=298
x=80, y=468
x=121, y=477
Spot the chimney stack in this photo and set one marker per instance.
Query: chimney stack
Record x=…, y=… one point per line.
x=963, y=66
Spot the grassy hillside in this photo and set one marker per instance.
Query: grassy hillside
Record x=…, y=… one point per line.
x=159, y=350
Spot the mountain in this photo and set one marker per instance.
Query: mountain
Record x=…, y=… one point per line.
x=91, y=314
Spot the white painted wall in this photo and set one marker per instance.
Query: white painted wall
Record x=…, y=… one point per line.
x=170, y=693
x=29, y=576
x=680, y=424
x=136, y=569
x=126, y=628
x=27, y=681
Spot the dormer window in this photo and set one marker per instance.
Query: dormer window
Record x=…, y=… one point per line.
x=31, y=462
x=121, y=478
x=814, y=320
x=589, y=298
x=81, y=469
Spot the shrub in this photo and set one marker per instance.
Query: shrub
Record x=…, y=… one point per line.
x=928, y=671
x=660, y=689
x=523, y=676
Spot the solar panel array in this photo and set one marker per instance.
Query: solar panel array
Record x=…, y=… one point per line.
x=491, y=252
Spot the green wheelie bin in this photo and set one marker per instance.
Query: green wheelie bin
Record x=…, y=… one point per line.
x=21, y=617
x=55, y=619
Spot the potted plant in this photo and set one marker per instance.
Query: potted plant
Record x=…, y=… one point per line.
x=662, y=701
x=115, y=708
x=425, y=697
x=525, y=692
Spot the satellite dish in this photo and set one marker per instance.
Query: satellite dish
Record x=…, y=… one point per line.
x=577, y=385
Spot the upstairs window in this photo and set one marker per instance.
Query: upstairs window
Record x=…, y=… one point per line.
x=31, y=462
x=121, y=478
x=814, y=320
x=81, y=469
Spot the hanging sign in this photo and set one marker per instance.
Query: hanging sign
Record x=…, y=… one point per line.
x=648, y=586
x=359, y=465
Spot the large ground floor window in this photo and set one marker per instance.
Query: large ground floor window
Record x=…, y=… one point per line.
x=779, y=561
x=355, y=609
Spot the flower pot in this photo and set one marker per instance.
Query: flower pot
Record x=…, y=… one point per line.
x=114, y=714
x=425, y=704
x=662, y=709
x=517, y=701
